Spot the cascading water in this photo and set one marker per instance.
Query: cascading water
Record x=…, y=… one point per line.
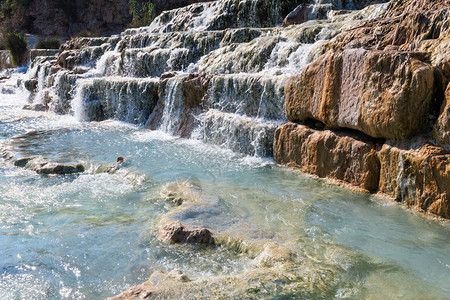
x=245, y=55
x=94, y=234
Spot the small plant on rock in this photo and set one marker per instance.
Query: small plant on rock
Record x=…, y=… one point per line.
x=142, y=14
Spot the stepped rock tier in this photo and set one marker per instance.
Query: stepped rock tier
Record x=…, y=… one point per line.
x=353, y=91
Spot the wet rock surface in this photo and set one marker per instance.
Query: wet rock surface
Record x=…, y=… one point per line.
x=177, y=232
x=328, y=154
x=298, y=16
x=417, y=175
x=19, y=154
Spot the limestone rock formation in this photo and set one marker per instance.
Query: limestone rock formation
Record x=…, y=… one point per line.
x=222, y=73
x=225, y=14
x=48, y=168
x=385, y=77
x=419, y=176
x=441, y=130
x=328, y=154
x=385, y=94
x=298, y=16
x=177, y=232
x=195, y=93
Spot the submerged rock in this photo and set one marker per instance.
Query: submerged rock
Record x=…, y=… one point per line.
x=48, y=168
x=157, y=280
x=181, y=192
x=272, y=255
x=31, y=85
x=35, y=107
x=177, y=232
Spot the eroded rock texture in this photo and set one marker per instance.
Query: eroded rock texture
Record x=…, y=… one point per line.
x=441, y=130
x=328, y=154
x=385, y=94
x=177, y=232
x=417, y=176
x=387, y=78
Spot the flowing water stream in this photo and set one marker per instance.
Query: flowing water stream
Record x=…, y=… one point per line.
x=94, y=234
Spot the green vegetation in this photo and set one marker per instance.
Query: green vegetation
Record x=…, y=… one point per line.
x=18, y=47
x=48, y=43
x=9, y=7
x=142, y=14
x=88, y=33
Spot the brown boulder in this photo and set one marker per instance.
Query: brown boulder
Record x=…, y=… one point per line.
x=441, y=130
x=31, y=85
x=417, y=176
x=195, y=93
x=328, y=154
x=177, y=232
x=385, y=94
x=298, y=16
x=68, y=59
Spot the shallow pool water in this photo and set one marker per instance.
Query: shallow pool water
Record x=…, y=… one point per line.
x=94, y=234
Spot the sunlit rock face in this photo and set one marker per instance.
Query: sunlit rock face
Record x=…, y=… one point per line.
x=328, y=154
x=386, y=78
x=380, y=93
x=417, y=175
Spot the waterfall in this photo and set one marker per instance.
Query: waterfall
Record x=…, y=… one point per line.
x=78, y=103
x=142, y=75
x=173, y=107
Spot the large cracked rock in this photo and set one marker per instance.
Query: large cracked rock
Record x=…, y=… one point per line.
x=328, y=154
x=385, y=94
x=418, y=176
